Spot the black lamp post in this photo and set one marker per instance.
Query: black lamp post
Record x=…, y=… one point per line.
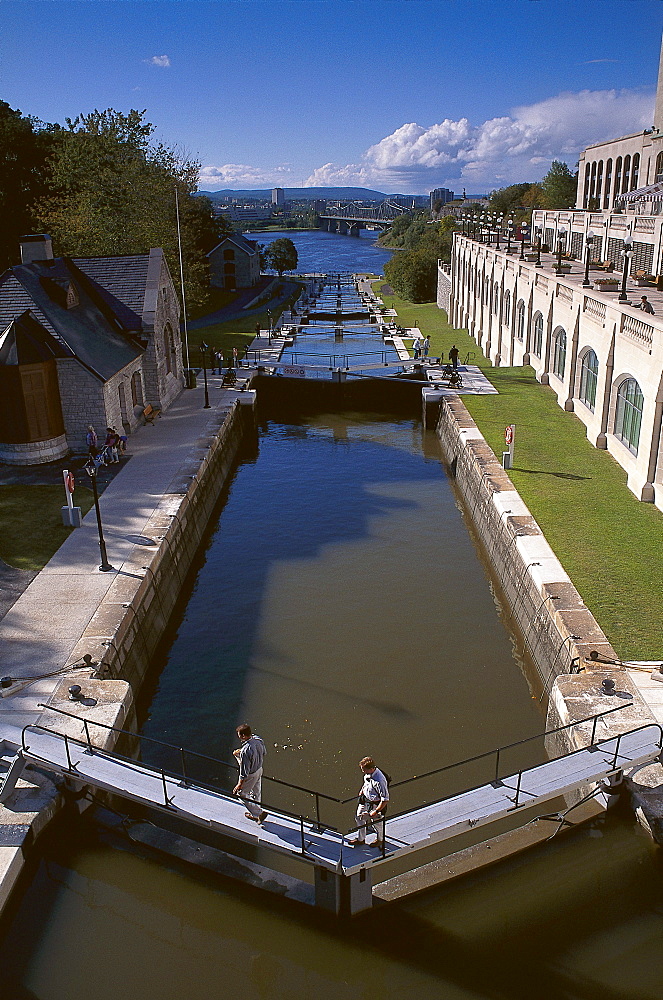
x=203, y=351
x=523, y=237
x=509, y=234
x=269, y=320
x=537, y=262
x=589, y=240
x=627, y=253
x=91, y=470
x=561, y=243
x=498, y=226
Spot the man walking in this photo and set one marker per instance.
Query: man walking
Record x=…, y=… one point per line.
x=249, y=785
x=372, y=804
x=453, y=357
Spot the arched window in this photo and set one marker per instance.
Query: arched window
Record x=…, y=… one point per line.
x=599, y=183
x=507, y=307
x=136, y=390
x=618, y=178
x=559, y=355
x=496, y=299
x=585, y=200
x=628, y=414
x=627, y=173
x=520, y=320
x=168, y=346
x=635, y=171
x=658, y=173
x=538, y=335
x=592, y=186
x=608, y=183
x=589, y=371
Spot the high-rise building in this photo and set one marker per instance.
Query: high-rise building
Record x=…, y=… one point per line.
x=278, y=197
x=440, y=194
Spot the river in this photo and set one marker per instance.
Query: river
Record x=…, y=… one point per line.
x=326, y=252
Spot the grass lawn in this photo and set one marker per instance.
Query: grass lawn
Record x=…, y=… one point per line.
x=32, y=529
x=610, y=544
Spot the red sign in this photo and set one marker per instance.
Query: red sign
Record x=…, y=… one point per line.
x=508, y=434
x=70, y=481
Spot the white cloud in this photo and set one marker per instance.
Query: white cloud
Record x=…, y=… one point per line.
x=241, y=175
x=515, y=147
x=163, y=61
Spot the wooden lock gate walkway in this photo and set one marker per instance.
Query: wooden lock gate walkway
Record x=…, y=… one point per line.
x=325, y=848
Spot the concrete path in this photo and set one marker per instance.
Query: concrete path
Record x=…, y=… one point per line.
x=39, y=632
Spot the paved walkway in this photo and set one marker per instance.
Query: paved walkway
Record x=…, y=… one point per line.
x=39, y=632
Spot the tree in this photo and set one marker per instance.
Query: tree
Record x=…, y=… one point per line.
x=112, y=192
x=413, y=272
x=559, y=186
x=508, y=199
x=23, y=151
x=281, y=255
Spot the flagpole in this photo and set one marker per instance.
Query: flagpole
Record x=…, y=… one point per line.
x=179, y=244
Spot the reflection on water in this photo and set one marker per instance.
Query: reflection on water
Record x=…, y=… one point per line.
x=342, y=610
x=578, y=919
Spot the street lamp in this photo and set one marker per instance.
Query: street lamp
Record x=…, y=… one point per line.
x=537, y=262
x=523, y=237
x=269, y=320
x=509, y=233
x=627, y=254
x=203, y=351
x=561, y=243
x=91, y=470
x=589, y=241
x=498, y=223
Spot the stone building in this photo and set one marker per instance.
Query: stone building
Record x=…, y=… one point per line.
x=89, y=341
x=573, y=313
x=234, y=263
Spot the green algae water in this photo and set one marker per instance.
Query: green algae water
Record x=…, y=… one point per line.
x=341, y=608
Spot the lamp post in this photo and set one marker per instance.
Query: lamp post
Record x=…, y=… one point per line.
x=561, y=243
x=627, y=254
x=523, y=237
x=203, y=351
x=91, y=470
x=589, y=241
x=537, y=262
x=269, y=320
x=509, y=234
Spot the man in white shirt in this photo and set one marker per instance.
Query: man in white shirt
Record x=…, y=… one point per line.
x=373, y=800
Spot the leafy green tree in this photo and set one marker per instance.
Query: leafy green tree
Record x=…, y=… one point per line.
x=559, y=186
x=508, y=199
x=413, y=272
x=281, y=255
x=23, y=150
x=112, y=192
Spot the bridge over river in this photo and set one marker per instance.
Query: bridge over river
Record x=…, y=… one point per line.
x=348, y=219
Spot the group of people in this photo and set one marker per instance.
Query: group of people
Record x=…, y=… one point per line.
x=373, y=795
x=220, y=363
x=115, y=444
x=421, y=348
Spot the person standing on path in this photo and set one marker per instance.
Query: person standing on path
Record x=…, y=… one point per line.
x=373, y=800
x=91, y=440
x=234, y=357
x=453, y=357
x=249, y=784
x=426, y=345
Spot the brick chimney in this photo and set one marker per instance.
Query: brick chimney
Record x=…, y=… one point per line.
x=36, y=248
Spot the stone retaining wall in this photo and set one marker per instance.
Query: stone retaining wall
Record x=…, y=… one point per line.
x=129, y=623
x=546, y=608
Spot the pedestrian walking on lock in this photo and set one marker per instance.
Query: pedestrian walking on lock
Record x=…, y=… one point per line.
x=426, y=345
x=453, y=356
x=235, y=357
x=249, y=784
x=417, y=350
x=258, y=330
x=91, y=440
x=372, y=802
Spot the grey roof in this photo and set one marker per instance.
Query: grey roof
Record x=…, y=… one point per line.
x=248, y=246
x=26, y=342
x=96, y=329
x=124, y=277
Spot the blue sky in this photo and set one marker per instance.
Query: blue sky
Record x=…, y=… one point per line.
x=401, y=95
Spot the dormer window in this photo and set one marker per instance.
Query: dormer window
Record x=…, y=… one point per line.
x=72, y=296
x=63, y=291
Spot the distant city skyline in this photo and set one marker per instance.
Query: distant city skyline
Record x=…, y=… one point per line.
x=395, y=95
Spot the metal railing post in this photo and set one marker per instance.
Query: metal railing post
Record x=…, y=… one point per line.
x=518, y=783
x=184, y=777
x=66, y=746
x=591, y=742
x=497, y=764
x=317, y=811
x=301, y=833
x=87, y=736
x=166, y=800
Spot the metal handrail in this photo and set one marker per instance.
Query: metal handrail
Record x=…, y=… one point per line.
x=180, y=750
